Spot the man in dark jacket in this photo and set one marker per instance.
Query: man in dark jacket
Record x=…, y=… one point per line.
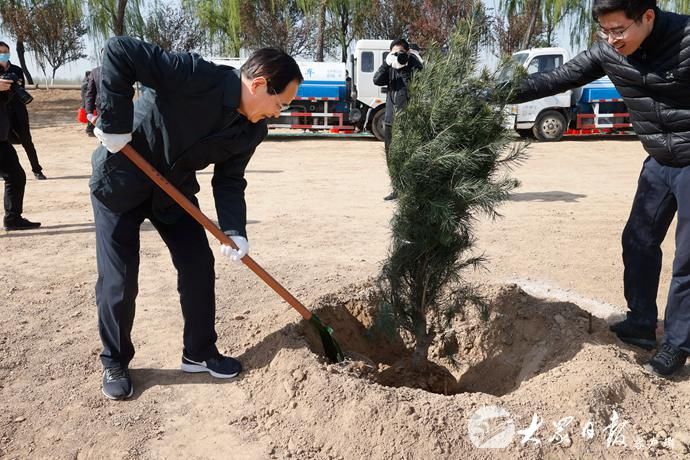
x=11, y=170
x=92, y=99
x=646, y=54
x=19, y=116
x=396, y=73
x=195, y=114
x=84, y=89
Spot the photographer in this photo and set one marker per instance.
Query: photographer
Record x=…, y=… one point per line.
x=10, y=169
x=19, y=116
x=396, y=73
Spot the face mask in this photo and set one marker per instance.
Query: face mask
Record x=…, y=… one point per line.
x=5, y=57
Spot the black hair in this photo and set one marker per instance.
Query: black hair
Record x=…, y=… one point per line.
x=400, y=42
x=633, y=9
x=5, y=45
x=276, y=66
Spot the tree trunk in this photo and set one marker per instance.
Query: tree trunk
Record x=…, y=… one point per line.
x=321, y=33
x=422, y=344
x=120, y=19
x=532, y=24
x=22, y=61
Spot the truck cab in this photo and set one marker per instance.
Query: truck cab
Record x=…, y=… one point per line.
x=595, y=108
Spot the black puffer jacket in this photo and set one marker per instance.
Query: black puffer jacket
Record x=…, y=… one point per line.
x=396, y=80
x=654, y=82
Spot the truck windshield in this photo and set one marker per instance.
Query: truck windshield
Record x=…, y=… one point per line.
x=506, y=72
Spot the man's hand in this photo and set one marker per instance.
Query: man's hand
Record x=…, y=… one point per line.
x=5, y=85
x=236, y=255
x=92, y=118
x=112, y=142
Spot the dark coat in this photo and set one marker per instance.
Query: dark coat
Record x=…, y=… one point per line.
x=6, y=101
x=396, y=80
x=187, y=121
x=92, y=99
x=654, y=81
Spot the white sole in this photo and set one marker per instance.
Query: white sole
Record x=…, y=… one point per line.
x=196, y=368
x=131, y=392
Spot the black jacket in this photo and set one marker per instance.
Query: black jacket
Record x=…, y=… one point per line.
x=186, y=122
x=397, y=81
x=92, y=99
x=654, y=82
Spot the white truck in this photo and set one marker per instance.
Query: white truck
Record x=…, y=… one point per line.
x=596, y=108
x=337, y=97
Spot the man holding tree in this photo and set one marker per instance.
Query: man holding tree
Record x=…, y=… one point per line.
x=646, y=54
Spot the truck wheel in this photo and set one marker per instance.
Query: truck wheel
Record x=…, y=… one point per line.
x=377, y=126
x=550, y=126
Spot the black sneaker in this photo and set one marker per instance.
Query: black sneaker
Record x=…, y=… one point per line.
x=667, y=360
x=116, y=383
x=19, y=223
x=40, y=176
x=222, y=367
x=628, y=332
x=391, y=196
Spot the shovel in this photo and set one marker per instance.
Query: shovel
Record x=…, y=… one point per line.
x=331, y=348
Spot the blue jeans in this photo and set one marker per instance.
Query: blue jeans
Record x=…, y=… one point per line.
x=662, y=191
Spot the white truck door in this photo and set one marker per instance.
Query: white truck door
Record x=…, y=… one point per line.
x=368, y=62
x=528, y=111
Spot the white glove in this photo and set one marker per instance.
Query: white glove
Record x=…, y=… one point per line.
x=112, y=142
x=236, y=255
x=92, y=118
x=390, y=59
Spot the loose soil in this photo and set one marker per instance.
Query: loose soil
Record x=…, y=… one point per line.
x=317, y=222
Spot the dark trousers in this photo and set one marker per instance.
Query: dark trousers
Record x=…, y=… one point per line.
x=661, y=192
x=15, y=180
x=20, y=126
x=117, y=256
x=387, y=136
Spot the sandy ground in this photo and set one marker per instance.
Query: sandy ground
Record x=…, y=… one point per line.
x=317, y=222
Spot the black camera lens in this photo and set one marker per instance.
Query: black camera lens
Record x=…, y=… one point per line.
x=402, y=58
x=17, y=90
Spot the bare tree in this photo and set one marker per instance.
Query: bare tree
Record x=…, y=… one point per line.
x=10, y=11
x=53, y=33
x=172, y=28
x=386, y=19
x=278, y=24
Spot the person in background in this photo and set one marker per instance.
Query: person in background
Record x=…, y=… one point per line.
x=11, y=170
x=92, y=100
x=84, y=88
x=396, y=73
x=19, y=116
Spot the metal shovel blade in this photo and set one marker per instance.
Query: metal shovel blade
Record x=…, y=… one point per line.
x=330, y=347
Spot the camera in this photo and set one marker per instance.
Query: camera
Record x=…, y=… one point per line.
x=402, y=57
x=18, y=91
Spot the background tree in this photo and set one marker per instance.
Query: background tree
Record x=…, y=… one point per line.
x=52, y=33
x=343, y=20
x=279, y=24
x=386, y=19
x=223, y=23
x=110, y=17
x=173, y=28
x=435, y=20
x=448, y=160
x=508, y=33
x=10, y=12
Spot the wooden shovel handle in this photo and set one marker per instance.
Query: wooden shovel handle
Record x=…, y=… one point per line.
x=208, y=224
